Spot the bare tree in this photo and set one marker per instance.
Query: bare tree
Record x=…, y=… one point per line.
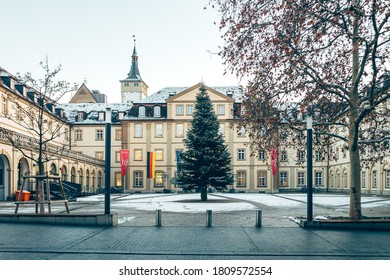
x=42, y=139
x=333, y=54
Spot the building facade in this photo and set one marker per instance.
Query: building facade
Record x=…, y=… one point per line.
x=158, y=123
x=19, y=108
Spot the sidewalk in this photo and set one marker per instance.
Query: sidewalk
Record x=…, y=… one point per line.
x=184, y=235
x=37, y=242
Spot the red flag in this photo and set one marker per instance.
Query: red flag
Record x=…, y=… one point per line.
x=124, y=154
x=274, y=160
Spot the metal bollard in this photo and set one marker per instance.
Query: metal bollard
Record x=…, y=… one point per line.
x=258, y=217
x=209, y=218
x=158, y=218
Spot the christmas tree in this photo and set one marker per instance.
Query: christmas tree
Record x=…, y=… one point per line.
x=206, y=162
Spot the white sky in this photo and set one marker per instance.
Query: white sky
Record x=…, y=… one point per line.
x=92, y=39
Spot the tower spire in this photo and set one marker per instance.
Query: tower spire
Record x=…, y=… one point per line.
x=134, y=74
x=133, y=88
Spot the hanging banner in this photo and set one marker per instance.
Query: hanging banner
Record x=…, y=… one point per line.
x=274, y=160
x=178, y=161
x=124, y=155
x=150, y=164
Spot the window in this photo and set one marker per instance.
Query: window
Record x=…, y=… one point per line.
x=5, y=106
x=283, y=179
x=159, y=179
x=101, y=116
x=99, y=155
x=190, y=109
x=137, y=155
x=241, y=178
x=222, y=129
x=159, y=130
x=157, y=111
x=179, y=130
x=364, y=182
x=179, y=110
x=118, y=179
x=99, y=134
x=318, y=178
x=141, y=111
x=387, y=180
x=301, y=156
x=118, y=134
x=318, y=156
x=241, y=132
x=241, y=154
x=374, y=179
x=78, y=135
x=221, y=110
x=345, y=179
x=138, y=130
x=80, y=116
x=261, y=155
x=283, y=156
x=138, y=179
x=66, y=134
x=262, y=178
x=117, y=157
x=301, y=179
x=159, y=155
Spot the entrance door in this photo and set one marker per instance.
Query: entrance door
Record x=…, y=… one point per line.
x=4, y=177
x=2, y=192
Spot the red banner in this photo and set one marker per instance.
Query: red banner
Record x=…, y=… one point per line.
x=274, y=160
x=124, y=154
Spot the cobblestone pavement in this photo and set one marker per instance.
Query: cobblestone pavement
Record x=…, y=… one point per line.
x=184, y=236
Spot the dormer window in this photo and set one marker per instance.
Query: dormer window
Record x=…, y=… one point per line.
x=157, y=111
x=80, y=116
x=101, y=116
x=141, y=111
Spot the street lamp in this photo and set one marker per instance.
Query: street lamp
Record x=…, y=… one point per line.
x=309, y=126
x=107, y=168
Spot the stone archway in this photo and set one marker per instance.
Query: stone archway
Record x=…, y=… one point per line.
x=23, y=170
x=4, y=178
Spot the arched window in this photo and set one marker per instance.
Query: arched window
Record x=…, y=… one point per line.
x=53, y=169
x=63, y=173
x=73, y=175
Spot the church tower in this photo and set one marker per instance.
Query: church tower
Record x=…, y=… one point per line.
x=133, y=88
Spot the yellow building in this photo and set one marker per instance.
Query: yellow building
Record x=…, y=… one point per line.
x=19, y=106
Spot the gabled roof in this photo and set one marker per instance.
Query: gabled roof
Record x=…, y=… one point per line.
x=162, y=95
x=83, y=95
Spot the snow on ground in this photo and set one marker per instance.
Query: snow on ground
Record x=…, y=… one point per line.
x=218, y=202
x=183, y=203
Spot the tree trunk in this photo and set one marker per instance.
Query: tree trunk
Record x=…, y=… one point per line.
x=355, y=208
x=203, y=194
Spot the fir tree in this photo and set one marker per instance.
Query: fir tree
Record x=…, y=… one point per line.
x=206, y=162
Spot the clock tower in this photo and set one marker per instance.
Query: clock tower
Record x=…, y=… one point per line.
x=133, y=88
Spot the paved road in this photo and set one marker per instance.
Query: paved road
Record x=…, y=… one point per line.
x=184, y=236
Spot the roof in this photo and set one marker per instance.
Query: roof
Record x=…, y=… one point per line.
x=163, y=94
x=91, y=110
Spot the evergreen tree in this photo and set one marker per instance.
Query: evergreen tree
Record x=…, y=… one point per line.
x=206, y=162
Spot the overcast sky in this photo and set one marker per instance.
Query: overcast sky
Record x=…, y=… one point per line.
x=93, y=40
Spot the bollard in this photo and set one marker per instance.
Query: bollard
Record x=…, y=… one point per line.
x=258, y=217
x=158, y=218
x=209, y=218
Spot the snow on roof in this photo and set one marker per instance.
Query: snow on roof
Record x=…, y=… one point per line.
x=91, y=109
x=161, y=95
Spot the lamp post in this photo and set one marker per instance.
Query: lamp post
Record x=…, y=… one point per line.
x=107, y=168
x=309, y=124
